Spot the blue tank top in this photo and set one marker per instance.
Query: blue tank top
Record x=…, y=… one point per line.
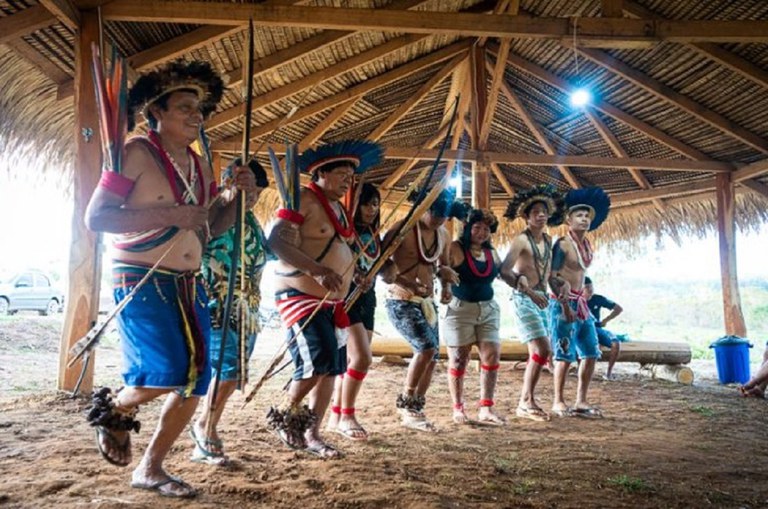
x=475, y=285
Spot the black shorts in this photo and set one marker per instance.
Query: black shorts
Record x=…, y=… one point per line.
x=364, y=309
x=315, y=351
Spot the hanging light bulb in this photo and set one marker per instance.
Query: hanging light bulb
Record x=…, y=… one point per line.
x=581, y=96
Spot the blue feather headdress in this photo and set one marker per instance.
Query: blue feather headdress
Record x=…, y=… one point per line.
x=593, y=199
x=445, y=205
x=361, y=154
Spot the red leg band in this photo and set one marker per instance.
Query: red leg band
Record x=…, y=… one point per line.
x=336, y=409
x=348, y=411
x=357, y=375
x=456, y=373
x=458, y=406
x=538, y=359
x=487, y=367
x=486, y=402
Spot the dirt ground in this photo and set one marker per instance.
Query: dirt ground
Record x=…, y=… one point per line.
x=660, y=445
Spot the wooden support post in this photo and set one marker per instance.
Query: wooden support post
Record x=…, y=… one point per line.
x=726, y=227
x=85, y=250
x=481, y=186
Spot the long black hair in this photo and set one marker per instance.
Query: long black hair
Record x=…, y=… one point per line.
x=478, y=216
x=367, y=194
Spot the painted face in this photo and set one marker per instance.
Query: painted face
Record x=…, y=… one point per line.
x=336, y=182
x=479, y=233
x=182, y=118
x=538, y=215
x=579, y=220
x=369, y=211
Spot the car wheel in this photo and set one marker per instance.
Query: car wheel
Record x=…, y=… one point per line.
x=51, y=308
x=4, y=305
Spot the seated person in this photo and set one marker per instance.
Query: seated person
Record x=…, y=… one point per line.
x=605, y=337
x=755, y=388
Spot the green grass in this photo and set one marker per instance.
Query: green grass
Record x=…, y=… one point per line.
x=703, y=410
x=630, y=484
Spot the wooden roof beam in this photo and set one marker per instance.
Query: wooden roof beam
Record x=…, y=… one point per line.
x=231, y=143
x=537, y=132
x=25, y=22
x=326, y=124
x=608, y=109
x=511, y=158
x=611, y=8
x=314, y=79
x=402, y=110
x=433, y=22
x=756, y=186
x=48, y=68
x=670, y=95
x=499, y=174
x=181, y=45
x=511, y=7
x=65, y=11
x=750, y=171
x=735, y=63
x=493, y=95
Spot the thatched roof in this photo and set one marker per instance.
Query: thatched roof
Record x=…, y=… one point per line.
x=676, y=103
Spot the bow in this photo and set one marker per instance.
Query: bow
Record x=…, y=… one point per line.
x=236, y=254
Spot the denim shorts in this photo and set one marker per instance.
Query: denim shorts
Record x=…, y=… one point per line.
x=409, y=320
x=572, y=339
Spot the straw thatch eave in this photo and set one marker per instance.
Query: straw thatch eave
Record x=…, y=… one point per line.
x=665, y=101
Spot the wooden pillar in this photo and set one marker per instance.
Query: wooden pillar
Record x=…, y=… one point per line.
x=726, y=227
x=481, y=183
x=85, y=250
x=216, y=162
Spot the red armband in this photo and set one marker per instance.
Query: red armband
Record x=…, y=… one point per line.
x=115, y=183
x=290, y=215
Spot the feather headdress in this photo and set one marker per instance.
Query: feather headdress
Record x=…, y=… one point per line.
x=593, y=199
x=445, y=205
x=196, y=76
x=360, y=154
x=520, y=205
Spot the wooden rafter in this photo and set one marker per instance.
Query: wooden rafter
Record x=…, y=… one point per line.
x=619, y=151
x=511, y=7
x=537, y=132
x=25, y=22
x=723, y=57
x=670, y=95
x=499, y=174
x=432, y=22
x=181, y=45
x=314, y=79
x=326, y=124
x=48, y=68
x=611, y=8
x=751, y=171
x=516, y=159
x=756, y=186
x=493, y=94
x=608, y=109
x=65, y=11
x=404, y=168
x=402, y=110
x=230, y=144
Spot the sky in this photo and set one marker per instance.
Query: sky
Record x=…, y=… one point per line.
x=36, y=221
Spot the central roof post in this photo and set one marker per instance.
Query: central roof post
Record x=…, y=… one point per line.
x=481, y=183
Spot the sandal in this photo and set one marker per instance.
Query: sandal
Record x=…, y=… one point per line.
x=203, y=453
x=158, y=487
x=590, y=412
x=533, y=413
x=323, y=450
x=123, y=448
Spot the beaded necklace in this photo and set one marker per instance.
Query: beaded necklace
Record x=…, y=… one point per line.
x=541, y=262
x=471, y=263
x=438, y=245
x=583, y=250
x=190, y=183
x=343, y=231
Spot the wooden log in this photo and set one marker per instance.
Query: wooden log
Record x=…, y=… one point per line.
x=644, y=352
x=670, y=372
x=85, y=250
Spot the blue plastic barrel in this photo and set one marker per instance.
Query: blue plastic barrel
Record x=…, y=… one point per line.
x=732, y=359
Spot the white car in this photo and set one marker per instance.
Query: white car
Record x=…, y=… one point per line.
x=29, y=290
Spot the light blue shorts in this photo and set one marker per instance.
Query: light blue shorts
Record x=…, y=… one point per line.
x=569, y=340
x=531, y=319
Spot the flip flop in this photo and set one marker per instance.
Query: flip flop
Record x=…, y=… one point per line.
x=564, y=412
x=349, y=433
x=124, y=448
x=490, y=421
x=321, y=450
x=418, y=424
x=203, y=445
x=588, y=412
x=158, y=485
x=533, y=413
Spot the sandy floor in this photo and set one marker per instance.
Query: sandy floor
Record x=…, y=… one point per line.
x=660, y=445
